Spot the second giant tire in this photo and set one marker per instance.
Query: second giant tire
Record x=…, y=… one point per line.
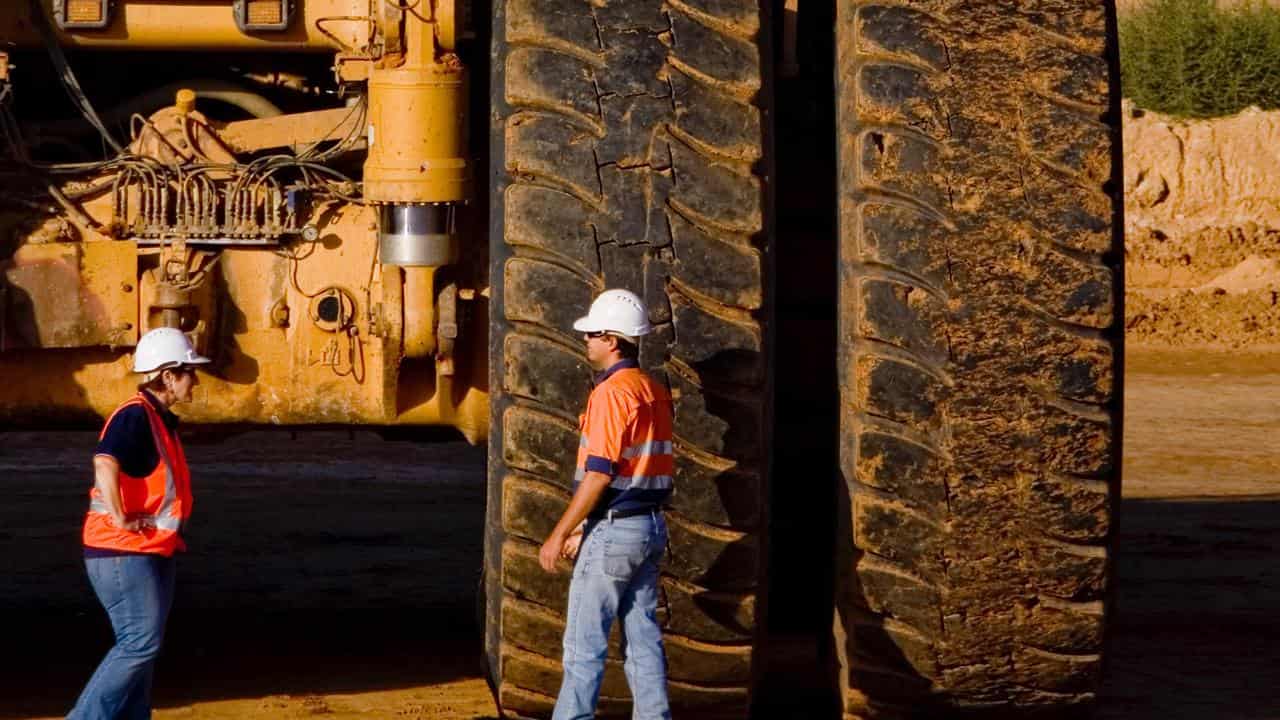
x=979, y=353
x=628, y=151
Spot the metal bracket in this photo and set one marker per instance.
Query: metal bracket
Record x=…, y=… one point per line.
x=263, y=15
x=82, y=14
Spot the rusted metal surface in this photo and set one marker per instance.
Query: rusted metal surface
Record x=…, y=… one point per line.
x=70, y=295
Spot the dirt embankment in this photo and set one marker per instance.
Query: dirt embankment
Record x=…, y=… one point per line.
x=1202, y=230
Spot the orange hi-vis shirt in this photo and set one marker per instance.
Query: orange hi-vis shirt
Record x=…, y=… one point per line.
x=163, y=497
x=626, y=434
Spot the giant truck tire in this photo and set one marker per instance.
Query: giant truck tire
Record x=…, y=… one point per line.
x=979, y=354
x=628, y=151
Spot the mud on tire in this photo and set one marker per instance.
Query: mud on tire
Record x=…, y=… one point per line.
x=627, y=145
x=979, y=354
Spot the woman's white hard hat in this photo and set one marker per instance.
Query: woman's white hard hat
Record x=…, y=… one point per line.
x=618, y=312
x=163, y=348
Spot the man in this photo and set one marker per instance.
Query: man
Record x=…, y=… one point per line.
x=624, y=473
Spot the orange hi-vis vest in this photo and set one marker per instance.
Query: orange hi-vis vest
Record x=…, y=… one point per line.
x=626, y=434
x=163, y=497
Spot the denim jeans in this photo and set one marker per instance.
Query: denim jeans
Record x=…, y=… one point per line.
x=137, y=592
x=616, y=576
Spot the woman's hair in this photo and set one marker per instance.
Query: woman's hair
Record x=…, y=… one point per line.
x=153, y=381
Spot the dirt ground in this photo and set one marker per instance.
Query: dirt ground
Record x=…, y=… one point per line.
x=334, y=574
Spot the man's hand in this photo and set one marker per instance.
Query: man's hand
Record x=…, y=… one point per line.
x=584, y=498
x=550, y=552
x=572, y=544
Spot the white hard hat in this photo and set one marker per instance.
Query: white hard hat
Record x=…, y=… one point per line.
x=619, y=312
x=162, y=348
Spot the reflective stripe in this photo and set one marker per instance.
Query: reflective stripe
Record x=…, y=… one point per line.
x=162, y=522
x=583, y=441
x=631, y=482
x=164, y=519
x=653, y=447
x=168, y=523
x=642, y=482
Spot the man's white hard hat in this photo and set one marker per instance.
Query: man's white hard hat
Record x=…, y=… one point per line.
x=164, y=348
x=617, y=312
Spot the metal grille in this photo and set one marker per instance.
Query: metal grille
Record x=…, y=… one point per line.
x=265, y=12
x=86, y=12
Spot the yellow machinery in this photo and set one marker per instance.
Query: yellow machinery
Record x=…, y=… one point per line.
x=323, y=300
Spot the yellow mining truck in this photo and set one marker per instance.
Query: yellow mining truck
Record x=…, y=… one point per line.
x=879, y=242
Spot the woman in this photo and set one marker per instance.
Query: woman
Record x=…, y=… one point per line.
x=140, y=499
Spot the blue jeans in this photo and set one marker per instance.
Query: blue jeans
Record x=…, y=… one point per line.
x=616, y=576
x=137, y=592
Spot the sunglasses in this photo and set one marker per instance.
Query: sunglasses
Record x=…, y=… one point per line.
x=594, y=335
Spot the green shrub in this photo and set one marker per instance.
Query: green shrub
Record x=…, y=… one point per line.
x=1190, y=58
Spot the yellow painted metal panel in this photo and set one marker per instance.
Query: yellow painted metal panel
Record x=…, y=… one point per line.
x=69, y=295
x=277, y=367
x=194, y=25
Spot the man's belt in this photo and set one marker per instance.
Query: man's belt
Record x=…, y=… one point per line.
x=633, y=512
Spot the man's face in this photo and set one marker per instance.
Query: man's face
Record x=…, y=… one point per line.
x=599, y=345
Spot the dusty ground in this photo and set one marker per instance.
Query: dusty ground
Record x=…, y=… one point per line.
x=333, y=574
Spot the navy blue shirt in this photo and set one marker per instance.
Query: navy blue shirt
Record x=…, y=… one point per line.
x=128, y=438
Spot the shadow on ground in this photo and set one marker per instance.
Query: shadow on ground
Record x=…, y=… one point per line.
x=335, y=564
x=1196, y=629
x=323, y=562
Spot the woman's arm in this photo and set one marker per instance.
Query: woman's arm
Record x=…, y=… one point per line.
x=106, y=477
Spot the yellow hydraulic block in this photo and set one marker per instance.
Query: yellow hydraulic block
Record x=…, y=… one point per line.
x=417, y=123
x=416, y=170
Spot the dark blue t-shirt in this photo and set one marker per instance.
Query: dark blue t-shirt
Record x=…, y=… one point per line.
x=128, y=438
